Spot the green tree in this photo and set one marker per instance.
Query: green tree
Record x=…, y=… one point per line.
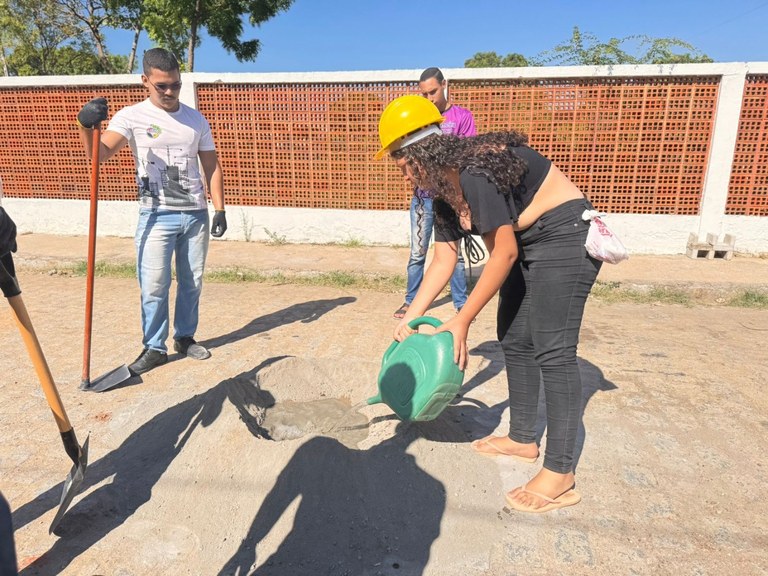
x=169, y=22
x=663, y=51
x=165, y=26
x=91, y=16
x=585, y=49
x=43, y=37
x=515, y=60
x=67, y=36
x=33, y=33
x=64, y=61
x=493, y=60
x=5, y=37
x=35, y=29
x=128, y=15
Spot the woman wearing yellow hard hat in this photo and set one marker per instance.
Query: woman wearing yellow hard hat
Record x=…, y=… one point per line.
x=529, y=215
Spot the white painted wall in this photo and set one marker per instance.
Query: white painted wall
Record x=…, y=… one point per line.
x=642, y=234
x=295, y=225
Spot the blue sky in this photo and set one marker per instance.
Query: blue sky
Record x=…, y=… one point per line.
x=329, y=35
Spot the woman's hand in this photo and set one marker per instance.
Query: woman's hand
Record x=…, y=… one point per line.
x=459, y=328
x=402, y=331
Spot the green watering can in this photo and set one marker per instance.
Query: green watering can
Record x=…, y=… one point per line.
x=418, y=377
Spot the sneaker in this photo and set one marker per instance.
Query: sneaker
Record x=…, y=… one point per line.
x=186, y=346
x=147, y=360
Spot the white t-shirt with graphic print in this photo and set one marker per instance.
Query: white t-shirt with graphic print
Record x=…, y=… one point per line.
x=165, y=147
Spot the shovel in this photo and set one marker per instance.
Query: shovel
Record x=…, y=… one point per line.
x=121, y=373
x=78, y=455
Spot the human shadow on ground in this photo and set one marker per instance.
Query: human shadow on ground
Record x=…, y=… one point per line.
x=592, y=381
x=372, y=511
x=440, y=301
x=467, y=418
x=303, y=312
x=137, y=465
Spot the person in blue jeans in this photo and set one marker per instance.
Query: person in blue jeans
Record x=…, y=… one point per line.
x=167, y=139
x=530, y=217
x=458, y=121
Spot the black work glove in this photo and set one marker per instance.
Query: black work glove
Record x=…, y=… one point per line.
x=219, y=224
x=93, y=113
x=8, y=283
x=7, y=233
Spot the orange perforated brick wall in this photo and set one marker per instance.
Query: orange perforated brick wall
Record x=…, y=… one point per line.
x=42, y=156
x=303, y=145
x=634, y=145
x=748, y=189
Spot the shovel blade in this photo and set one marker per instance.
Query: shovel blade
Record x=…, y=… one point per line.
x=109, y=380
x=71, y=485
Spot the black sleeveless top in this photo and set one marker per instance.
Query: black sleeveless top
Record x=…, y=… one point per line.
x=538, y=168
x=491, y=207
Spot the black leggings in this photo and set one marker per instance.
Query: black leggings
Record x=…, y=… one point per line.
x=541, y=304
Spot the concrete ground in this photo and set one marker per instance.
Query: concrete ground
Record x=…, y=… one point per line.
x=239, y=465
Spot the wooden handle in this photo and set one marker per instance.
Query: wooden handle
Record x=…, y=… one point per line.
x=95, y=149
x=41, y=366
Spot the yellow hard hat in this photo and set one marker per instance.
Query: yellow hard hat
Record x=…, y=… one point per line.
x=406, y=120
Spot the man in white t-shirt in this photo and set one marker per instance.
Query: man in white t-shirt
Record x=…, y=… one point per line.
x=167, y=139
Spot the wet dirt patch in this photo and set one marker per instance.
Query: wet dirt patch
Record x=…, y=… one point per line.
x=332, y=417
x=295, y=384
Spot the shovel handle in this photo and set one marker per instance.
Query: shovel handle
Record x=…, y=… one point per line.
x=95, y=150
x=36, y=354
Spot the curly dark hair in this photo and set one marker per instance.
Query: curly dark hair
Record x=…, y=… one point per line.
x=489, y=154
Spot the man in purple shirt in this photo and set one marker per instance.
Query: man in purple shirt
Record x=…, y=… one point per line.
x=457, y=121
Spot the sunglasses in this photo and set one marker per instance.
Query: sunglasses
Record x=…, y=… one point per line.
x=162, y=87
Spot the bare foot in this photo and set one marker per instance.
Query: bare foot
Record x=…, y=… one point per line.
x=546, y=483
x=505, y=446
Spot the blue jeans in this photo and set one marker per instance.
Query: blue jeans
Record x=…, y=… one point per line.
x=541, y=304
x=422, y=222
x=159, y=234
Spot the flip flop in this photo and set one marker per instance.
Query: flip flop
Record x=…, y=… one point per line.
x=567, y=498
x=496, y=451
x=400, y=312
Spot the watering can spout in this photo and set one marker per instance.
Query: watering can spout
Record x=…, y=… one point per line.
x=374, y=400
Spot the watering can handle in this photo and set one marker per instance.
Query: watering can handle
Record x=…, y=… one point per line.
x=431, y=320
x=413, y=325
